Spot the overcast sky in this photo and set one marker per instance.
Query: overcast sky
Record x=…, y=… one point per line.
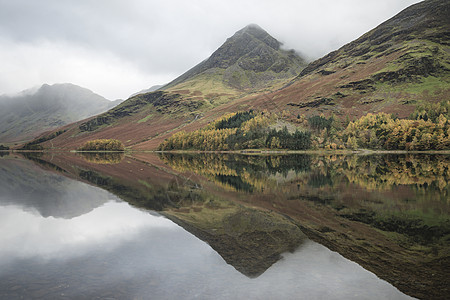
x=116, y=48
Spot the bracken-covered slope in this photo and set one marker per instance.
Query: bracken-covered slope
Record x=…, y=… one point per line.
x=26, y=115
x=249, y=62
x=392, y=68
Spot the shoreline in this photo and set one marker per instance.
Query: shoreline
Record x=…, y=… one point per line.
x=247, y=152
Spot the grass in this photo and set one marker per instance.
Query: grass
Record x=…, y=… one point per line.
x=207, y=83
x=418, y=49
x=145, y=119
x=431, y=84
x=209, y=86
x=212, y=86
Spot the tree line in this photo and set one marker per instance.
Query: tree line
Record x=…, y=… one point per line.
x=427, y=128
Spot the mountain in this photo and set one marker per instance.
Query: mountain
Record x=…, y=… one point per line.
x=249, y=62
x=28, y=114
x=400, y=64
x=250, y=59
x=394, y=68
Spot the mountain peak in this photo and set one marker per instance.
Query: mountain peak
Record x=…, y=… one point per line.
x=252, y=52
x=253, y=26
x=253, y=29
x=256, y=32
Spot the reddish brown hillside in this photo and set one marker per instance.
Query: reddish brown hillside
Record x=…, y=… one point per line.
x=392, y=68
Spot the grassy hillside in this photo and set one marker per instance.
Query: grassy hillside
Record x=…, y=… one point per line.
x=400, y=64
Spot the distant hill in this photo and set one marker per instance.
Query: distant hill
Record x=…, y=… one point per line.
x=26, y=115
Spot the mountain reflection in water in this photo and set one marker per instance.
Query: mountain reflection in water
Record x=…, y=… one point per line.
x=120, y=252
x=388, y=213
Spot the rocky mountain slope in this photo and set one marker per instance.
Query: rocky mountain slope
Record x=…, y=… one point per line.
x=250, y=59
x=28, y=114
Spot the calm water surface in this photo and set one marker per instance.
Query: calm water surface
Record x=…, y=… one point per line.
x=173, y=227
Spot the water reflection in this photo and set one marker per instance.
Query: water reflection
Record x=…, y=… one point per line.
x=117, y=251
x=103, y=157
x=33, y=189
x=113, y=223
x=405, y=194
x=372, y=172
x=250, y=240
x=254, y=211
x=390, y=213
x=239, y=172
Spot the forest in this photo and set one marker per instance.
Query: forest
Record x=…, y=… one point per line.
x=241, y=130
x=427, y=128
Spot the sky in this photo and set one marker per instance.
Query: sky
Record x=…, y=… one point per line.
x=116, y=47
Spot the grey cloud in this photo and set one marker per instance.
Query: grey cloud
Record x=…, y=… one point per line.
x=169, y=37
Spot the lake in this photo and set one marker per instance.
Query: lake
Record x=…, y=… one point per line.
x=224, y=226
